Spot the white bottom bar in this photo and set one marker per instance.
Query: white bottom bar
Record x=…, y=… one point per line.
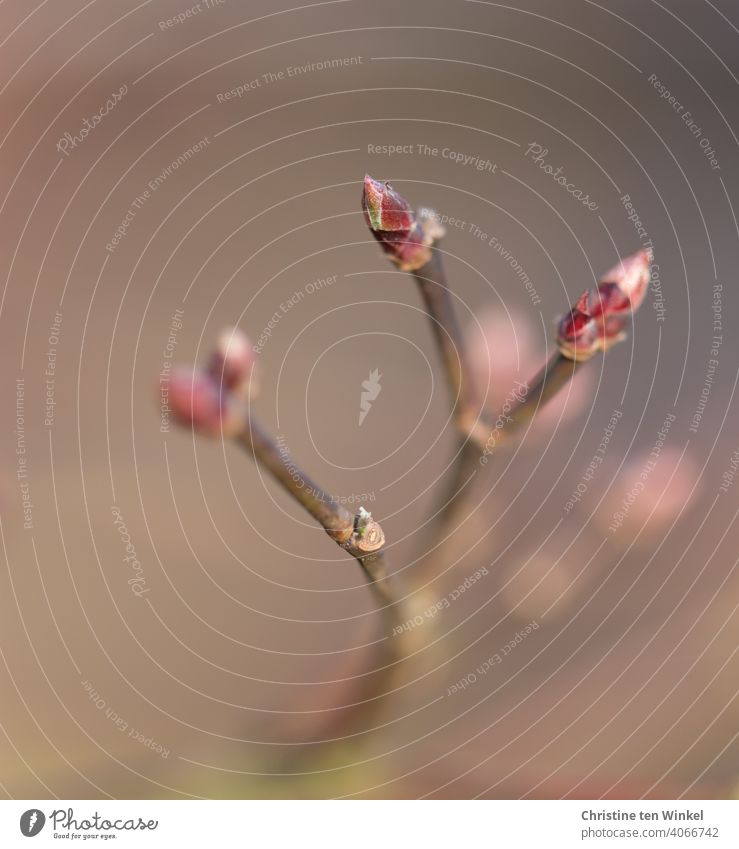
x=370, y=824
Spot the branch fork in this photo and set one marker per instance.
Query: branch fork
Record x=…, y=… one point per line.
x=596, y=322
x=216, y=401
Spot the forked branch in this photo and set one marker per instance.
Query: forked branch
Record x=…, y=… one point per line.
x=217, y=401
x=596, y=322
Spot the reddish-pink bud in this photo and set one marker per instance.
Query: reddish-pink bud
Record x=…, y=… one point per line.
x=394, y=224
x=232, y=360
x=612, y=329
x=197, y=401
x=385, y=209
x=608, y=299
x=577, y=335
x=599, y=318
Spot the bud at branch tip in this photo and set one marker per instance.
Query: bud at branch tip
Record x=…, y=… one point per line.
x=404, y=236
x=598, y=319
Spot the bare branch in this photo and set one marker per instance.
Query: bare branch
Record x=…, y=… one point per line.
x=359, y=534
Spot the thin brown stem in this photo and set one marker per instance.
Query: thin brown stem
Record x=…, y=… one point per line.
x=447, y=517
x=467, y=409
x=463, y=472
x=363, y=538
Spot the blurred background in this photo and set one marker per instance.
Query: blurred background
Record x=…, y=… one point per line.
x=171, y=624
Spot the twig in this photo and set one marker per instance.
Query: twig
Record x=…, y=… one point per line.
x=411, y=242
x=358, y=535
x=595, y=323
x=363, y=538
x=554, y=376
x=469, y=416
x=434, y=288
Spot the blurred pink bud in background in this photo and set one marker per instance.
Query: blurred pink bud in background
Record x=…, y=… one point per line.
x=649, y=493
x=502, y=351
x=539, y=585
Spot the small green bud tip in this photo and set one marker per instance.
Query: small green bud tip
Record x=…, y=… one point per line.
x=372, y=202
x=368, y=536
x=385, y=209
x=362, y=520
